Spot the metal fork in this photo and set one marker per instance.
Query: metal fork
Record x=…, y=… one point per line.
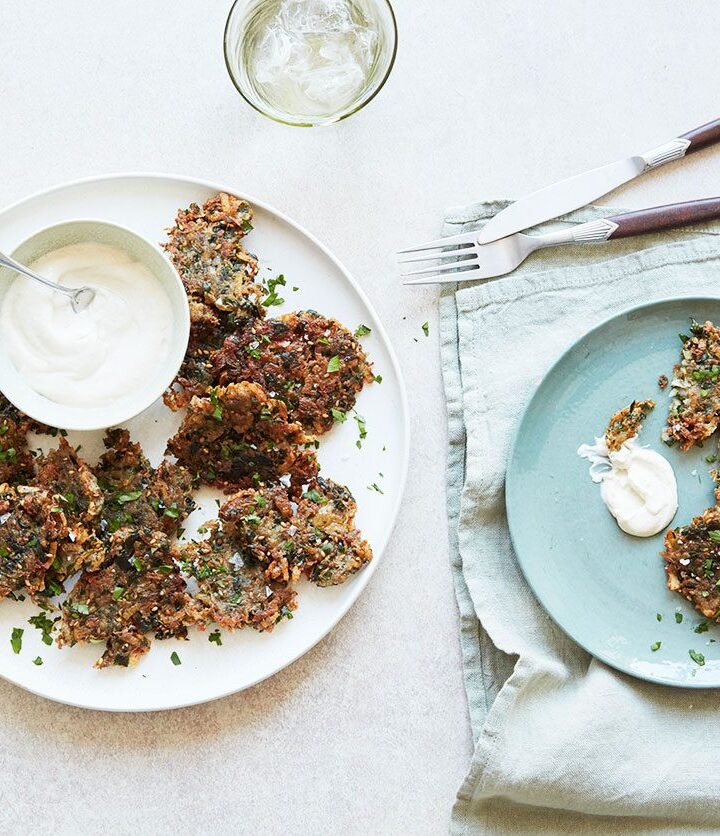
x=463, y=259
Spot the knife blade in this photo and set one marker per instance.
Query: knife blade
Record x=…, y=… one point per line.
x=577, y=191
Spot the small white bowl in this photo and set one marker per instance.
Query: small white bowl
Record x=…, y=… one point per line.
x=160, y=371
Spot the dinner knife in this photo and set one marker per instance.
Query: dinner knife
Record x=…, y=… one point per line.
x=577, y=191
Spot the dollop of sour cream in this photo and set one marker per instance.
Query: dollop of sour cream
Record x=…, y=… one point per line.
x=637, y=484
x=100, y=354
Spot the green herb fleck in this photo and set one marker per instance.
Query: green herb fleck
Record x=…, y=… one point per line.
x=655, y=647
x=118, y=592
x=711, y=459
x=678, y=617
x=375, y=487
x=362, y=331
x=362, y=429
x=702, y=627
x=658, y=616
x=698, y=658
x=137, y=563
x=37, y=660
x=16, y=639
x=218, y=411
x=334, y=364
x=426, y=328
x=80, y=607
x=714, y=536
x=172, y=512
x=272, y=297
x=315, y=496
x=175, y=659
x=131, y=496
x=377, y=378
x=338, y=415
x=215, y=637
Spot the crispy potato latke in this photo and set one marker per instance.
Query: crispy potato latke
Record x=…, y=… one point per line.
x=626, y=424
x=238, y=437
x=692, y=562
x=695, y=406
x=311, y=363
x=205, y=245
x=140, y=592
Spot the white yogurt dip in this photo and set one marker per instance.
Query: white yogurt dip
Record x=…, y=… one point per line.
x=98, y=355
x=637, y=484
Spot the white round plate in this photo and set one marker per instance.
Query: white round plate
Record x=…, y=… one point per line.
x=148, y=204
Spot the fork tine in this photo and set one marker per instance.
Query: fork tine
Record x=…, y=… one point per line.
x=463, y=238
x=455, y=267
x=466, y=254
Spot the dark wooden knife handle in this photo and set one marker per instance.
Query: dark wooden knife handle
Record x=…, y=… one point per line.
x=665, y=217
x=703, y=136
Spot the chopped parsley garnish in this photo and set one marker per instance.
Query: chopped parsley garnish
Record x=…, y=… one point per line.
x=377, y=378
x=137, y=563
x=698, y=658
x=702, y=627
x=333, y=364
x=175, y=659
x=362, y=331
x=37, y=660
x=655, y=647
x=338, y=415
x=218, y=410
x=44, y=624
x=215, y=637
x=272, y=297
x=711, y=459
x=16, y=639
x=426, y=328
x=285, y=612
x=375, y=487
x=315, y=496
x=714, y=535
x=658, y=616
x=130, y=496
x=172, y=512
x=678, y=617
x=362, y=429
x=79, y=607
x=118, y=592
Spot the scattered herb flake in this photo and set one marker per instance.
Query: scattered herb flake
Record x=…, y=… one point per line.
x=272, y=297
x=702, y=627
x=426, y=328
x=362, y=331
x=118, y=592
x=659, y=616
x=215, y=637
x=37, y=660
x=375, y=487
x=678, y=617
x=338, y=415
x=711, y=459
x=16, y=639
x=698, y=658
x=655, y=647
x=714, y=535
x=80, y=607
x=175, y=659
x=131, y=496
x=333, y=364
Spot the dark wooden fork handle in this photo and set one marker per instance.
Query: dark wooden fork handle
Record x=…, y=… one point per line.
x=665, y=217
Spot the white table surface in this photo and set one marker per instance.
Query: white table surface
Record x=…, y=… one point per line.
x=368, y=733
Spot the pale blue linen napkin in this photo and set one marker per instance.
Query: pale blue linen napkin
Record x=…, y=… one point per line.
x=564, y=744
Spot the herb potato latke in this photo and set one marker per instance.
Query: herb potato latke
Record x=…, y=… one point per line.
x=96, y=546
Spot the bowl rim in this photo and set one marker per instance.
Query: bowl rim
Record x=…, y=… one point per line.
x=176, y=290
x=331, y=120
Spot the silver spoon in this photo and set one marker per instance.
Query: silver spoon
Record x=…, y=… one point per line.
x=79, y=297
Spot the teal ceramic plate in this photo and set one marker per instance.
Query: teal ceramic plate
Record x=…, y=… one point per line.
x=604, y=588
